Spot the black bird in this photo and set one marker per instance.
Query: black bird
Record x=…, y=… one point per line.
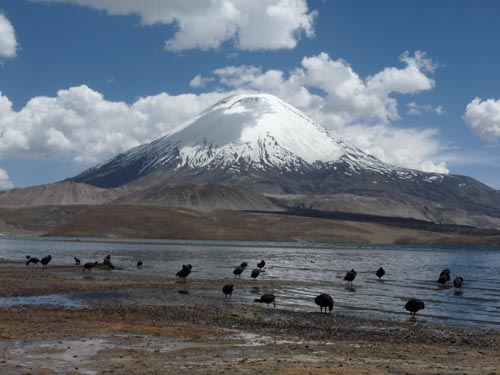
x=238, y=271
x=414, y=305
x=350, y=276
x=228, y=290
x=184, y=272
x=444, y=276
x=324, y=301
x=244, y=265
x=35, y=261
x=255, y=274
x=107, y=262
x=77, y=261
x=267, y=299
x=139, y=263
x=380, y=272
x=261, y=264
x=457, y=282
x=88, y=266
x=46, y=260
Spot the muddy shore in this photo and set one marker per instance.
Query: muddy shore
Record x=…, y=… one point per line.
x=136, y=324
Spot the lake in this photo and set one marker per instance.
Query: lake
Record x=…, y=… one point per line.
x=310, y=269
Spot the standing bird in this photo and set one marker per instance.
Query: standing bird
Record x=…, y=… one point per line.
x=77, y=261
x=380, y=272
x=228, y=290
x=107, y=259
x=45, y=260
x=324, y=301
x=267, y=299
x=444, y=276
x=107, y=262
x=414, y=305
x=255, y=274
x=184, y=272
x=457, y=282
x=139, y=263
x=35, y=261
x=238, y=271
x=261, y=264
x=350, y=276
x=88, y=266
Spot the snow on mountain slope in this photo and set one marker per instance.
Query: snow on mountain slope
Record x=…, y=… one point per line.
x=239, y=133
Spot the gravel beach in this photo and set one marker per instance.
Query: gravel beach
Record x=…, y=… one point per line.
x=115, y=322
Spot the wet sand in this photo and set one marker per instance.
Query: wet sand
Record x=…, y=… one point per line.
x=131, y=323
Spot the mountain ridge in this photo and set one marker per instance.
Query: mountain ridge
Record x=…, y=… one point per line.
x=262, y=143
x=240, y=134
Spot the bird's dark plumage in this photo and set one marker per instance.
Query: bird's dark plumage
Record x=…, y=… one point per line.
x=255, y=273
x=88, y=266
x=267, y=299
x=350, y=276
x=77, y=261
x=458, y=281
x=261, y=264
x=33, y=261
x=244, y=265
x=444, y=276
x=380, y=272
x=238, y=271
x=139, y=263
x=228, y=290
x=414, y=305
x=324, y=301
x=184, y=272
x=28, y=256
x=46, y=260
x=107, y=262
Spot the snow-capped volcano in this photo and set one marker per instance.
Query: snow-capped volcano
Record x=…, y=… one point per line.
x=261, y=130
x=259, y=141
x=238, y=134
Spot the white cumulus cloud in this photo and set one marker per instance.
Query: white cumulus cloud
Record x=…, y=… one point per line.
x=80, y=124
x=8, y=42
x=347, y=96
x=484, y=118
x=207, y=24
x=5, y=182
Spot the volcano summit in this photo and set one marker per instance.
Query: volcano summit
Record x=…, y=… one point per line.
x=245, y=137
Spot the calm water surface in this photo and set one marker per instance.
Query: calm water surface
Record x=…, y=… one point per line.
x=411, y=271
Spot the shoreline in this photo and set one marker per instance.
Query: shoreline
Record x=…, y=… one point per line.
x=255, y=243
x=146, y=325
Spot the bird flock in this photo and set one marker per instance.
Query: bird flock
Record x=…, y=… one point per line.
x=324, y=301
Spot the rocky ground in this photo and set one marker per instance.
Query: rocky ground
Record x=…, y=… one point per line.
x=116, y=323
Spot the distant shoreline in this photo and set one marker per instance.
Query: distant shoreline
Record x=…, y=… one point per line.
x=254, y=244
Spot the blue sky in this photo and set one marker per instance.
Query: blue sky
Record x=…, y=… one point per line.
x=82, y=80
